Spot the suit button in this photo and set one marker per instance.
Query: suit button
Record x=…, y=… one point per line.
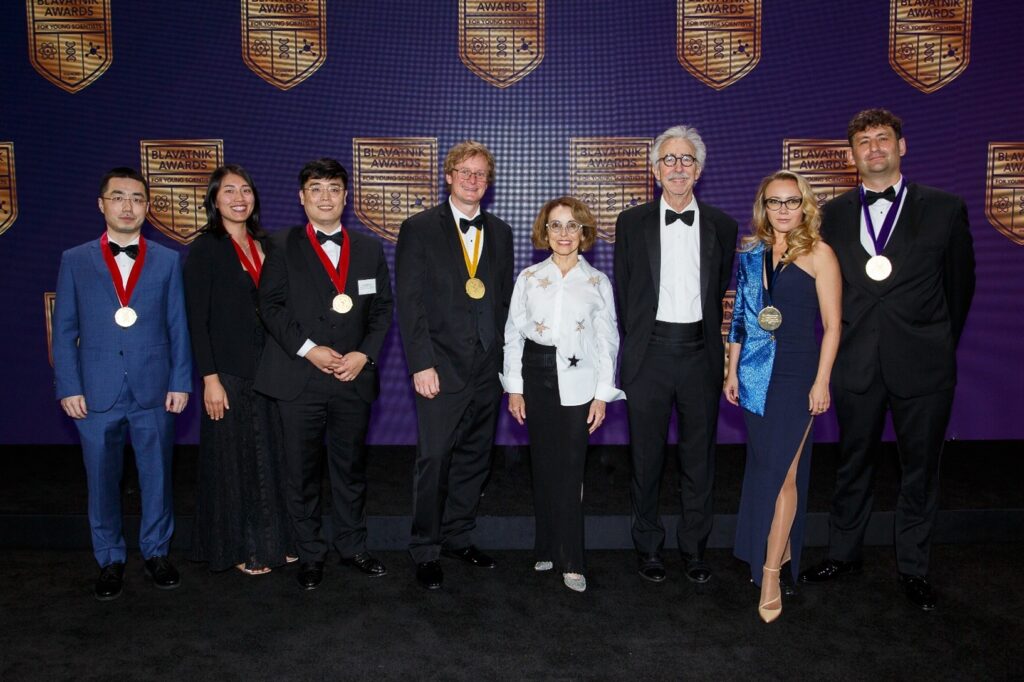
x=120, y=352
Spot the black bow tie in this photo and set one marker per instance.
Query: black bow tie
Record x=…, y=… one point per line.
x=871, y=197
x=337, y=237
x=132, y=250
x=477, y=222
x=671, y=216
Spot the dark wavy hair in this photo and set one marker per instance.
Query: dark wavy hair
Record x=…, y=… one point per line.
x=214, y=220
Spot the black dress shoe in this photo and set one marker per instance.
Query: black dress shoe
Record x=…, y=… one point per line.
x=829, y=569
x=651, y=568
x=696, y=570
x=429, y=574
x=366, y=563
x=471, y=555
x=111, y=581
x=311, y=574
x=162, y=573
x=918, y=591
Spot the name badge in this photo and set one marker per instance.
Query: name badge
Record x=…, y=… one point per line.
x=367, y=286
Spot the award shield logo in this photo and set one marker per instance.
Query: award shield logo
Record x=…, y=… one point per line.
x=826, y=164
x=284, y=43
x=178, y=171
x=501, y=42
x=8, y=191
x=69, y=41
x=1004, y=189
x=718, y=43
x=49, y=301
x=609, y=175
x=393, y=178
x=929, y=42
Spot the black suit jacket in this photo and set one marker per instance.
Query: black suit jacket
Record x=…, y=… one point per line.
x=436, y=317
x=295, y=303
x=638, y=280
x=910, y=323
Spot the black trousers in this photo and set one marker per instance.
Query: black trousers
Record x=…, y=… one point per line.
x=558, y=454
x=675, y=371
x=453, y=459
x=328, y=406
x=920, y=424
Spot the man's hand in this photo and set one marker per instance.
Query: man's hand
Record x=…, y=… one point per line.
x=176, y=402
x=324, y=359
x=74, y=406
x=351, y=365
x=427, y=383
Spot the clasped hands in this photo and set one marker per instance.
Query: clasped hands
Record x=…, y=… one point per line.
x=344, y=367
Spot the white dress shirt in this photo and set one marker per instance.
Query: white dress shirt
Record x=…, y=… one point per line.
x=878, y=211
x=333, y=253
x=576, y=315
x=472, y=234
x=125, y=263
x=679, y=289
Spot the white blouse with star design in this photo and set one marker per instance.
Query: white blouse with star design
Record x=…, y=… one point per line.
x=576, y=314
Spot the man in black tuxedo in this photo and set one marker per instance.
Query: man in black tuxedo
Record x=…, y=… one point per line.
x=453, y=274
x=908, y=278
x=673, y=262
x=325, y=297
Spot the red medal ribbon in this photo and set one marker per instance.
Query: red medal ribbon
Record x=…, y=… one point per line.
x=341, y=274
x=124, y=292
x=254, y=267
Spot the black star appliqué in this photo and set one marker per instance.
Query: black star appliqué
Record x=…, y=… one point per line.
x=573, y=361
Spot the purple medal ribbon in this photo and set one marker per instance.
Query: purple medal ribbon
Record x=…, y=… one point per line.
x=890, y=219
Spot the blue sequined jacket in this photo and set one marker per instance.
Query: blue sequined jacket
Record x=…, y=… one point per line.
x=757, y=352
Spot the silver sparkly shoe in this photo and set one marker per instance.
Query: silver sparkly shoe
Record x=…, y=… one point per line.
x=543, y=566
x=575, y=582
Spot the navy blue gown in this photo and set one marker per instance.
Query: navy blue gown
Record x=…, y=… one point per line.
x=773, y=440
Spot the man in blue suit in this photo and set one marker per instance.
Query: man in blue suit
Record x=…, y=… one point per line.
x=123, y=366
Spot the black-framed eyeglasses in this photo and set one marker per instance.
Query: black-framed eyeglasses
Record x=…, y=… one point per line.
x=557, y=226
x=774, y=204
x=671, y=160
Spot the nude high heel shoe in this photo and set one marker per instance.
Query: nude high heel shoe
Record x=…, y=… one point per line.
x=770, y=609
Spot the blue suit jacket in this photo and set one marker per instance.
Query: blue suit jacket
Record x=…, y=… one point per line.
x=757, y=352
x=93, y=356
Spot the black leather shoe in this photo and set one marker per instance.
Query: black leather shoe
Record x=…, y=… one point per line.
x=829, y=569
x=366, y=563
x=651, y=568
x=786, y=581
x=918, y=591
x=429, y=574
x=111, y=582
x=471, y=555
x=162, y=573
x=311, y=574
x=696, y=570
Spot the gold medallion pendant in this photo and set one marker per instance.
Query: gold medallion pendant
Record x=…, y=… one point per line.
x=770, y=318
x=475, y=288
x=342, y=303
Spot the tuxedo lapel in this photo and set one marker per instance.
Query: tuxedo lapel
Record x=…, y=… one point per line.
x=708, y=239
x=319, y=281
x=452, y=242
x=901, y=244
x=103, y=272
x=652, y=235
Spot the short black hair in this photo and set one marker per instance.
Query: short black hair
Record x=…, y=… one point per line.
x=123, y=172
x=323, y=169
x=874, y=118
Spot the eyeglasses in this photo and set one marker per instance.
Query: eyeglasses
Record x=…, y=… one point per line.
x=466, y=174
x=557, y=226
x=792, y=203
x=671, y=160
x=316, y=190
x=134, y=200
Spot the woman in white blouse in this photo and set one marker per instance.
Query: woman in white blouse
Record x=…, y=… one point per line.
x=561, y=341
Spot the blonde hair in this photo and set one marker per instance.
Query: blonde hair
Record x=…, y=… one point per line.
x=799, y=240
x=465, y=150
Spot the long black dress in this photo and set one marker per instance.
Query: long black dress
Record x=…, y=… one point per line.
x=773, y=440
x=240, y=514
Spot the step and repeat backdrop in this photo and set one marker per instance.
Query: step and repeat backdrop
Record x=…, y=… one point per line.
x=567, y=94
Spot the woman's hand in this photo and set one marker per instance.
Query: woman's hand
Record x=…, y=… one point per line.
x=596, y=416
x=517, y=407
x=818, y=400
x=731, y=388
x=215, y=398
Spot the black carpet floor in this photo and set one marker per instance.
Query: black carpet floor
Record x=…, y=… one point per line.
x=510, y=623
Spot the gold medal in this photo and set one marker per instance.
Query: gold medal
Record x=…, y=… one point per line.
x=770, y=318
x=125, y=317
x=475, y=288
x=878, y=268
x=342, y=303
